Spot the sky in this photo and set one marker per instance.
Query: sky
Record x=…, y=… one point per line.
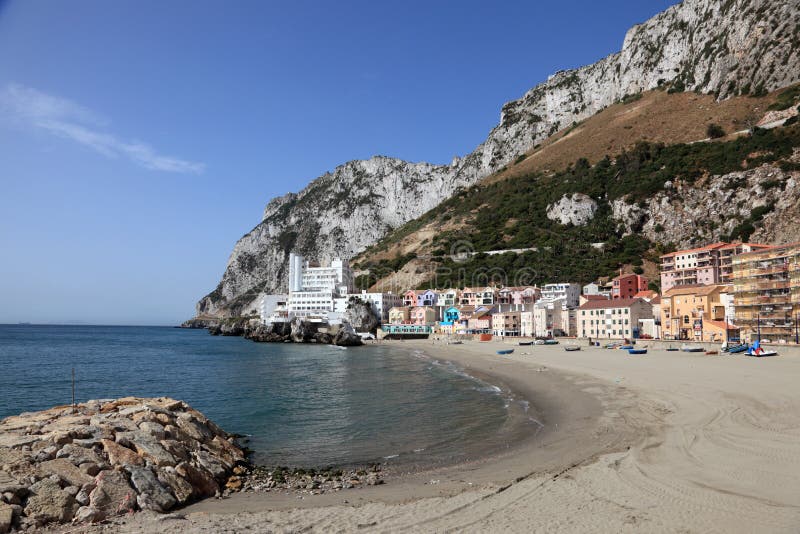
x=140, y=139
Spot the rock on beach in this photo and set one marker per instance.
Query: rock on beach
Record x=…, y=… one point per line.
x=105, y=458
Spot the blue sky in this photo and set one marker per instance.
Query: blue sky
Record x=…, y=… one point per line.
x=140, y=139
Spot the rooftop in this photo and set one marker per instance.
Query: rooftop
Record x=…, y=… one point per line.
x=712, y=246
x=603, y=304
x=696, y=289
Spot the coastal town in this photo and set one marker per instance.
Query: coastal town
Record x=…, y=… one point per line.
x=721, y=292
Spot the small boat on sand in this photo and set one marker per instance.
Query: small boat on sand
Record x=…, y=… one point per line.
x=551, y=342
x=712, y=352
x=692, y=348
x=571, y=348
x=525, y=343
x=672, y=349
x=625, y=347
x=637, y=351
x=505, y=351
x=737, y=348
x=759, y=352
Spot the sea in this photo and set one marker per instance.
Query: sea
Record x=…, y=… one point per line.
x=295, y=405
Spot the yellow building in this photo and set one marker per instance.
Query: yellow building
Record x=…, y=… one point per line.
x=766, y=293
x=685, y=309
x=399, y=315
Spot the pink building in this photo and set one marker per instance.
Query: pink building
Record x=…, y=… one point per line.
x=712, y=264
x=423, y=315
x=519, y=296
x=626, y=286
x=478, y=296
x=480, y=321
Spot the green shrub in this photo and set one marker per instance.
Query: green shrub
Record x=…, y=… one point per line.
x=786, y=99
x=715, y=131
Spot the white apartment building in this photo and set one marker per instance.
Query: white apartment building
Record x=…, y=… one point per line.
x=570, y=292
x=313, y=288
x=612, y=319
x=551, y=318
x=272, y=307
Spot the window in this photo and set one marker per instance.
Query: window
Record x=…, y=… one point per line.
x=685, y=319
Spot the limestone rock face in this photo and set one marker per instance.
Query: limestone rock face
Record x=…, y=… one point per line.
x=577, y=209
x=688, y=215
x=721, y=48
x=302, y=331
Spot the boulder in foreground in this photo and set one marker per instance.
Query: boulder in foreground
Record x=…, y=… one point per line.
x=109, y=457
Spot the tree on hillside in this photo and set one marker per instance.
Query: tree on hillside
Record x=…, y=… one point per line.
x=715, y=131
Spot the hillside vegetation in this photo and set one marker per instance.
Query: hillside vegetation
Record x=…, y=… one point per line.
x=511, y=212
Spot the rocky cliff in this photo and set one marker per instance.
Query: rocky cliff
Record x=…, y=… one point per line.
x=721, y=47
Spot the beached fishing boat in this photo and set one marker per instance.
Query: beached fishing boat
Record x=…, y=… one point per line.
x=505, y=351
x=571, y=348
x=637, y=351
x=672, y=349
x=738, y=349
x=692, y=348
x=525, y=343
x=612, y=346
x=625, y=347
x=551, y=342
x=712, y=352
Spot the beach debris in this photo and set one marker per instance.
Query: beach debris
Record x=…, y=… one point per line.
x=307, y=481
x=104, y=458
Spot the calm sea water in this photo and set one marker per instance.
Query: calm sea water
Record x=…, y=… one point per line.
x=299, y=405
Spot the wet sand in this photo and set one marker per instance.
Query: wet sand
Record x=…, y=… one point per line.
x=664, y=442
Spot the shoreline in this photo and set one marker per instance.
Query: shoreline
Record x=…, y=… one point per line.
x=567, y=436
x=662, y=442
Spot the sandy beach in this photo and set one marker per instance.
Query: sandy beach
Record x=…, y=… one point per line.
x=666, y=442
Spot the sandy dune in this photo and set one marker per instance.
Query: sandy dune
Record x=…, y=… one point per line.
x=714, y=447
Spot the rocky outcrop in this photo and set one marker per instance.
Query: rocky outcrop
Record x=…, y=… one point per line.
x=709, y=46
x=106, y=458
x=200, y=323
x=347, y=337
x=361, y=316
x=765, y=198
x=577, y=209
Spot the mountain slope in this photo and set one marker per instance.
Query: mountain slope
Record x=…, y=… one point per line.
x=586, y=221
x=722, y=48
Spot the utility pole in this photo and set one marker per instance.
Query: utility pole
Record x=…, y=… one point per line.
x=73, y=388
x=758, y=327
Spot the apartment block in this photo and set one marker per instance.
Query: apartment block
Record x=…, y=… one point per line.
x=712, y=264
x=766, y=293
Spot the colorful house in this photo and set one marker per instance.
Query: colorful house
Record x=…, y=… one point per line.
x=626, y=286
x=684, y=309
x=447, y=297
x=450, y=320
x=427, y=297
x=410, y=298
x=423, y=315
x=506, y=324
x=518, y=296
x=480, y=321
x=479, y=296
x=399, y=315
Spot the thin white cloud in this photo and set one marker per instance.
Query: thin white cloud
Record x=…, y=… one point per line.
x=72, y=121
